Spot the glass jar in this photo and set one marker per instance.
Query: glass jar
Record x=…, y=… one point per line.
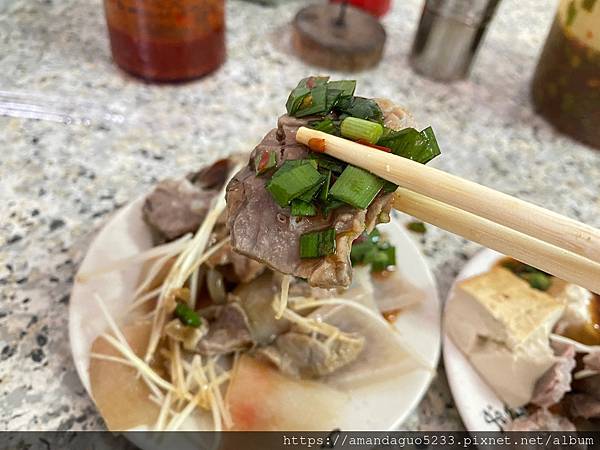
x=566, y=84
x=171, y=40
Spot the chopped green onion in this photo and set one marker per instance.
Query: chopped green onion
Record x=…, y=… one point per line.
x=332, y=98
x=355, y=129
x=382, y=260
x=374, y=236
x=289, y=183
x=324, y=193
x=317, y=243
x=290, y=164
x=416, y=227
x=347, y=87
x=317, y=104
x=312, y=81
x=187, y=315
x=296, y=98
x=265, y=161
x=331, y=205
x=326, y=126
x=357, y=187
x=388, y=187
x=302, y=208
x=312, y=192
x=537, y=280
x=327, y=162
x=363, y=108
x=409, y=143
x=359, y=251
x=371, y=249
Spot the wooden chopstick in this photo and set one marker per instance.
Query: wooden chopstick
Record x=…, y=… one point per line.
x=497, y=207
x=547, y=257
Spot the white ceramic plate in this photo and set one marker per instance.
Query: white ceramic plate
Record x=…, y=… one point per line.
x=126, y=234
x=478, y=405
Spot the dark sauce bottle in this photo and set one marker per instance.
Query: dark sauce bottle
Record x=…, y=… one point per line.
x=566, y=85
x=174, y=40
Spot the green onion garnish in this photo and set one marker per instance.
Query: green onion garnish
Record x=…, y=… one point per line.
x=420, y=146
x=371, y=249
x=326, y=126
x=416, y=227
x=327, y=162
x=355, y=129
x=324, y=193
x=317, y=243
x=312, y=192
x=330, y=205
x=363, y=108
x=382, y=259
x=296, y=98
x=356, y=186
x=187, y=315
x=301, y=208
x=292, y=180
x=537, y=280
x=317, y=103
x=265, y=161
x=347, y=87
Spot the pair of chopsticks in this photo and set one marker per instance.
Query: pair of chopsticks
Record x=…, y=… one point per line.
x=534, y=235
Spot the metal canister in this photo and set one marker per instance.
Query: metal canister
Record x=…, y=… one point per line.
x=449, y=35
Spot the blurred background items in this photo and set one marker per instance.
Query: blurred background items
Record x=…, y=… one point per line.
x=376, y=7
x=449, y=35
x=167, y=41
x=566, y=85
x=338, y=36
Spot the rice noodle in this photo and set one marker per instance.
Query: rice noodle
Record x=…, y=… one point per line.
x=283, y=296
x=585, y=373
x=195, y=286
x=123, y=342
x=159, y=401
x=217, y=393
x=204, y=257
x=202, y=381
x=139, y=364
x=111, y=358
x=144, y=298
x=172, y=248
x=579, y=347
x=186, y=264
x=151, y=274
x=177, y=376
x=165, y=408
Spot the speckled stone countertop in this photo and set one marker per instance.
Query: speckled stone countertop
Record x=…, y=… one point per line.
x=59, y=182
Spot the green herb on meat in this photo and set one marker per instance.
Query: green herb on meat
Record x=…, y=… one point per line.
x=317, y=243
x=292, y=180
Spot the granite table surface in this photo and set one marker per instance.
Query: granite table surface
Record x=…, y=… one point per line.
x=102, y=138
